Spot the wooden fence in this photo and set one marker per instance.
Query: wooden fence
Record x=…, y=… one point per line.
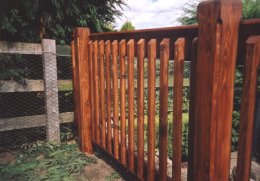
x=104, y=62
x=50, y=85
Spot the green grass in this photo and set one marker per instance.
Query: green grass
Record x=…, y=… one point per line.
x=46, y=161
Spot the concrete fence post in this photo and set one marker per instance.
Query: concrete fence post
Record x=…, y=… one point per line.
x=51, y=90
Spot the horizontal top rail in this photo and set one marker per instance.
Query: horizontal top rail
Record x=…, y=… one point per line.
x=30, y=48
x=247, y=28
x=20, y=48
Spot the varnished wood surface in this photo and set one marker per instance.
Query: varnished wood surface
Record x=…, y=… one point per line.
x=163, y=112
x=140, y=106
x=192, y=104
x=151, y=109
x=217, y=50
x=123, y=77
x=108, y=95
x=115, y=98
x=246, y=128
x=177, y=109
x=81, y=36
x=96, y=90
x=92, y=92
x=131, y=147
x=102, y=93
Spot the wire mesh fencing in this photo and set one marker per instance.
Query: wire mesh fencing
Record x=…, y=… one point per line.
x=22, y=107
x=24, y=115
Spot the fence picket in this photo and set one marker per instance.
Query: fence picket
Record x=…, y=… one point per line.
x=140, y=110
x=115, y=98
x=191, y=144
x=163, y=112
x=130, y=55
x=179, y=50
x=151, y=109
x=122, y=54
x=108, y=96
x=91, y=72
x=248, y=108
x=96, y=94
x=102, y=93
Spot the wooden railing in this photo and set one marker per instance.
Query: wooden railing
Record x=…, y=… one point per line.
x=104, y=74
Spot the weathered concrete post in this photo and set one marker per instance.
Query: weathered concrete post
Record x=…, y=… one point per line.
x=51, y=90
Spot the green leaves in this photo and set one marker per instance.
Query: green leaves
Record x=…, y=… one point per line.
x=55, y=19
x=47, y=161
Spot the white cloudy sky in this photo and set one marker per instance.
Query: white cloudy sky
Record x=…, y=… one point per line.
x=151, y=13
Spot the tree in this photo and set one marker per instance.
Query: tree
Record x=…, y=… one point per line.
x=31, y=20
x=251, y=9
x=127, y=26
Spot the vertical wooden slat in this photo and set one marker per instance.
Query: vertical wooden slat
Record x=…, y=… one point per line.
x=81, y=36
x=191, y=144
x=248, y=109
x=179, y=52
x=122, y=54
x=140, y=108
x=108, y=96
x=217, y=50
x=96, y=87
x=163, y=122
x=115, y=98
x=91, y=71
x=74, y=78
x=102, y=94
x=151, y=109
x=130, y=55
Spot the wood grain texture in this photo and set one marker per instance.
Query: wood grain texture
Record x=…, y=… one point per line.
x=102, y=93
x=123, y=74
x=96, y=91
x=92, y=92
x=74, y=81
x=115, y=98
x=81, y=37
x=192, y=104
x=151, y=109
x=163, y=112
x=179, y=52
x=248, y=109
x=108, y=95
x=131, y=147
x=24, y=122
x=140, y=108
x=217, y=50
x=247, y=28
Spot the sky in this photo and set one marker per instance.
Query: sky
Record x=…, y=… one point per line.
x=151, y=13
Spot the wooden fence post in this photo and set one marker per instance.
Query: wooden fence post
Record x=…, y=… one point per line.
x=214, y=88
x=74, y=80
x=81, y=38
x=51, y=90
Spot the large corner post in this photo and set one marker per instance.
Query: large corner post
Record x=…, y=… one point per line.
x=82, y=65
x=214, y=88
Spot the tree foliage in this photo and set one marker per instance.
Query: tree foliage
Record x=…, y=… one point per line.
x=251, y=9
x=31, y=20
x=127, y=26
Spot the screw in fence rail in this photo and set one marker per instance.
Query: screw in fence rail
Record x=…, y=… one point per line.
x=215, y=69
x=51, y=90
x=81, y=38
